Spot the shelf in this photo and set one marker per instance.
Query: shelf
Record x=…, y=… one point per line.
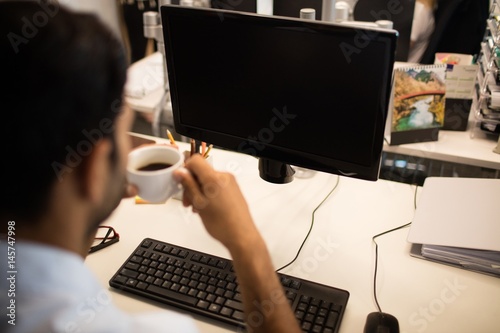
x=486, y=107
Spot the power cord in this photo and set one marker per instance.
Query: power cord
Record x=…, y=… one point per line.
x=311, y=226
x=376, y=250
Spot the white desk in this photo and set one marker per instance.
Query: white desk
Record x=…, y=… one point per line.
x=455, y=147
x=424, y=296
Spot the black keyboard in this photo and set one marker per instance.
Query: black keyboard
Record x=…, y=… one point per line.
x=206, y=285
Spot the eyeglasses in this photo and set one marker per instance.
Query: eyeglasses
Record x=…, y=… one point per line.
x=105, y=237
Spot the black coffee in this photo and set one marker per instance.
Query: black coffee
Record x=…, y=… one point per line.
x=154, y=167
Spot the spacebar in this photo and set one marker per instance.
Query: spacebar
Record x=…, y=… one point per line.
x=172, y=295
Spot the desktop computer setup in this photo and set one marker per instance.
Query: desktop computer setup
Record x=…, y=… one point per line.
x=288, y=91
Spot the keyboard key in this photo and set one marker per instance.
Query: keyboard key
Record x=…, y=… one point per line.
x=202, y=304
x=172, y=295
x=302, y=307
x=309, y=317
x=234, y=305
x=285, y=281
x=332, y=319
x=214, y=308
x=129, y=273
x=299, y=315
x=319, y=320
x=121, y=279
x=141, y=285
x=306, y=326
x=226, y=311
x=323, y=312
x=131, y=282
x=316, y=302
x=312, y=309
x=204, y=259
x=136, y=259
x=238, y=315
x=305, y=299
x=295, y=284
x=221, y=264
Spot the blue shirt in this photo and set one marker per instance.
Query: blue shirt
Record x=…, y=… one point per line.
x=52, y=290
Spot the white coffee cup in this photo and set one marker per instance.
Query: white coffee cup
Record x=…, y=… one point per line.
x=157, y=183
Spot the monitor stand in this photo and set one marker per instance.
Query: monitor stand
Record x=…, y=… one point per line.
x=275, y=171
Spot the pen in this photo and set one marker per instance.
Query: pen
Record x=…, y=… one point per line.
x=193, y=147
x=170, y=137
x=208, y=151
x=203, y=148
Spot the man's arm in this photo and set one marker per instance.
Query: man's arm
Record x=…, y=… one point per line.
x=225, y=214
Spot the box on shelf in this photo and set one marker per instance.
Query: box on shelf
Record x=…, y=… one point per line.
x=460, y=81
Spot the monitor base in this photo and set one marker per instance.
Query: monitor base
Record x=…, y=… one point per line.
x=275, y=172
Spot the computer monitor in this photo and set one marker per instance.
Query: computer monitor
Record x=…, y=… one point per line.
x=296, y=92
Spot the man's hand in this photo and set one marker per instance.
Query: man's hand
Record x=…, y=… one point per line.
x=219, y=201
x=225, y=214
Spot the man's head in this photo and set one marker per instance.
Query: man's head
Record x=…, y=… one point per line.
x=61, y=103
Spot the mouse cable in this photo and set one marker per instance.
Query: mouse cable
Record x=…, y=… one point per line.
x=376, y=250
x=311, y=226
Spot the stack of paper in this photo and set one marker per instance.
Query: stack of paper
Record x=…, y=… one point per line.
x=457, y=222
x=479, y=260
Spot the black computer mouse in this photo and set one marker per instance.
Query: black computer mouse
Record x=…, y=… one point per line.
x=380, y=322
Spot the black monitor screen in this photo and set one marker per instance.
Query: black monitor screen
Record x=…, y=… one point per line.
x=305, y=93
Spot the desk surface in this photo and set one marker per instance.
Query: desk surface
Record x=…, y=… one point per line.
x=456, y=147
x=424, y=296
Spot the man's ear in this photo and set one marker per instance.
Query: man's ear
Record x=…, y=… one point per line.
x=96, y=171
